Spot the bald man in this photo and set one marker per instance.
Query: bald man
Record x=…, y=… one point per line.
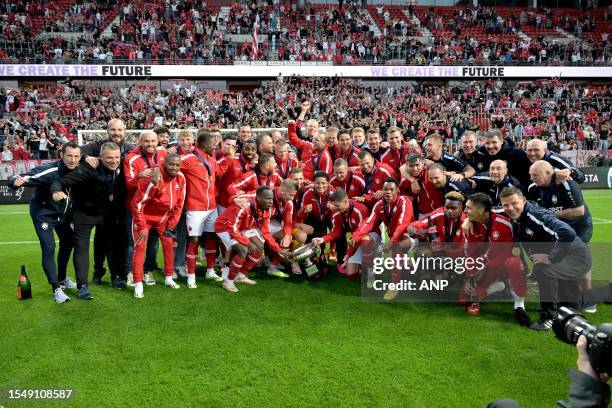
x=116, y=133
x=566, y=202
x=538, y=150
x=494, y=181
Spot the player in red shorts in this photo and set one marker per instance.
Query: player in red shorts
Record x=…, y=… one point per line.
x=244, y=230
x=490, y=234
x=157, y=204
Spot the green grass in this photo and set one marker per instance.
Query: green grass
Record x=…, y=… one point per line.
x=277, y=343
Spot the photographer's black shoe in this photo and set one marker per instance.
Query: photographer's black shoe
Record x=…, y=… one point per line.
x=522, y=318
x=545, y=323
x=84, y=293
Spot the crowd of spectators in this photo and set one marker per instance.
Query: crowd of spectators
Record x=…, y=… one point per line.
x=567, y=114
x=188, y=31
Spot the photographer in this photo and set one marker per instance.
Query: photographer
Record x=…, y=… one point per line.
x=588, y=388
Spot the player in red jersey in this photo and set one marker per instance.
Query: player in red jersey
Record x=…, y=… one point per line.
x=399, y=150
x=395, y=211
x=281, y=224
x=157, y=204
x=313, y=155
x=347, y=216
x=346, y=150
x=415, y=184
x=238, y=168
x=244, y=230
x=264, y=174
x=284, y=161
x=490, y=235
x=374, y=174
x=201, y=170
x=351, y=181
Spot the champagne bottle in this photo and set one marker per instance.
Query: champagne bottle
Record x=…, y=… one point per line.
x=24, y=288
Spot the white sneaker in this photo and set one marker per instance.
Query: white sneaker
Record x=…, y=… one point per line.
x=225, y=272
x=243, y=279
x=495, y=287
x=138, y=290
x=295, y=268
x=172, y=284
x=229, y=286
x=211, y=274
x=148, y=279
x=182, y=271
x=191, y=282
x=590, y=309
x=59, y=296
x=67, y=284
x=274, y=271
x=130, y=280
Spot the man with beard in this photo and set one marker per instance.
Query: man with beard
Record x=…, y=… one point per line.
x=489, y=235
x=399, y=150
x=537, y=150
x=139, y=164
x=157, y=204
x=313, y=155
x=374, y=175
x=345, y=150
x=495, y=148
x=244, y=133
x=98, y=196
x=494, y=182
x=375, y=146
x=455, y=167
x=48, y=215
x=163, y=136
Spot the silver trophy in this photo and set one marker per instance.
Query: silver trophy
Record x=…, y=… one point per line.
x=303, y=256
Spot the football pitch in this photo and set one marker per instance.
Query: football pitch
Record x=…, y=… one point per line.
x=279, y=343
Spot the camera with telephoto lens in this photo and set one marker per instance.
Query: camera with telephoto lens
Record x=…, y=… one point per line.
x=569, y=325
x=303, y=257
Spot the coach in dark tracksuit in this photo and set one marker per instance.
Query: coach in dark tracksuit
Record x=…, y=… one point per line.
x=97, y=194
x=48, y=215
x=537, y=150
x=560, y=258
x=90, y=153
x=496, y=148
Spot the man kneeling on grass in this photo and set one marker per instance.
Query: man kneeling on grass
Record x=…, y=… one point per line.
x=244, y=227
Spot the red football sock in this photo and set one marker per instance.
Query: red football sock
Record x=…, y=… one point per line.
x=191, y=256
x=250, y=262
x=210, y=251
x=235, y=267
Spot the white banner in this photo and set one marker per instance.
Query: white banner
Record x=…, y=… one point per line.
x=261, y=69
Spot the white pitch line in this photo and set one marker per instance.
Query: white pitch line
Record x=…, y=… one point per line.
x=14, y=212
x=21, y=242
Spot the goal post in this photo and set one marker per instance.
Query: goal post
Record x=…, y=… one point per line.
x=132, y=135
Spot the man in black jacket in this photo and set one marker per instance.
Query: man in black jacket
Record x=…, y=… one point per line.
x=560, y=258
x=48, y=215
x=493, y=182
x=91, y=152
x=98, y=196
x=537, y=150
x=495, y=148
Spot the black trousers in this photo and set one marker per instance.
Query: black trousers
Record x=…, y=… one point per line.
x=108, y=228
x=44, y=230
x=558, y=283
